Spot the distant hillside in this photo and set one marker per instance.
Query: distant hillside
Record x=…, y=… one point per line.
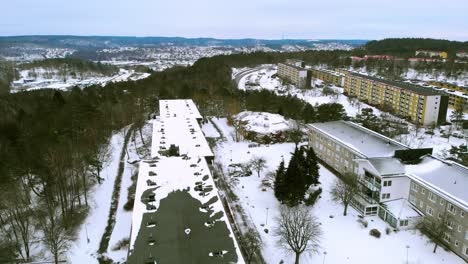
x=71, y=65
x=408, y=46
x=93, y=42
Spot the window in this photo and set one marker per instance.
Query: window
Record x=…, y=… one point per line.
x=429, y=211
x=442, y=202
x=386, y=196
x=412, y=199
x=451, y=208
x=462, y=213
x=403, y=222
x=421, y=204
x=414, y=187
x=439, y=216
x=423, y=191
x=449, y=224
x=465, y=250
x=387, y=183
x=457, y=243
x=432, y=197
x=466, y=235
x=459, y=228
x=447, y=237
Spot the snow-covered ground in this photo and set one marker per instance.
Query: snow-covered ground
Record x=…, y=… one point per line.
x=51, y=80
x=84, y=248
x=263, y=123
x=263, y=79
x=344, y=239
x=123, y=218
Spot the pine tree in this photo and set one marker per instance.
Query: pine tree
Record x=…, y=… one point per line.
x=295, y=180
x=312, y=167
x=280, y=182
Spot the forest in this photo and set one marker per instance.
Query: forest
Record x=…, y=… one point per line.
x=72, y=65
x=406, y=47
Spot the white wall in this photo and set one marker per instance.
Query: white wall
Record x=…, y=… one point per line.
x=399, y=189
x=432, y=109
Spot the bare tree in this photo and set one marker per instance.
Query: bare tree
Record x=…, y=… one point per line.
x=258, y=164
x=298, y=230
x=295, y=134
x=437, y=228
x=53, y=228
x=238, y=126
x=252, y=244
x=344, y=190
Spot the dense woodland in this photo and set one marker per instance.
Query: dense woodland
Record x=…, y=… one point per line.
x=408, y=46
x=53, y=144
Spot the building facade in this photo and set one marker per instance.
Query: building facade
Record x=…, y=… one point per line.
x=458, y=95
x=399, y=184
x=418, y=104
x=293, y=73
x=333, y=77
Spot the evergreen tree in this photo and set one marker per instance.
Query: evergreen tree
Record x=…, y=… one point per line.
x=312, y=167
x=295, y=179
x=280, y=182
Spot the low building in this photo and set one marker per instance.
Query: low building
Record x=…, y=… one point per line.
x=399, y=184
x=293, y=73
x=432, y=53
x=419, y=104
x=329, y=76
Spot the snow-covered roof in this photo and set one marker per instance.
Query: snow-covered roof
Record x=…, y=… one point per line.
x=183, y=132
x=449, y=178
x=401, y=209
x=178, y=108
x=263, y=123
x=387, y=166
x=362, y=140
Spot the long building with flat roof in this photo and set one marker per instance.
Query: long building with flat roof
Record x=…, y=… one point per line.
x=178, y=215
x=419, y=104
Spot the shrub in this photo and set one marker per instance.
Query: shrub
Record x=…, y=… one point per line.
x=313, y=197
x=363, y=222
x=388, y=230
x=375, y=233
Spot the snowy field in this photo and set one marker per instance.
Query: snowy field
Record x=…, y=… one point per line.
x=263, y=79
x=344, y=239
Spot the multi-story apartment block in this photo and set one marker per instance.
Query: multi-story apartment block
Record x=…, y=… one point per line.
x=432, y=53
x=293, y=72
x=458, y=95
x=439, y=188
x=421, y=105
x=329, y=76
x=462, y=54
x=399, y=184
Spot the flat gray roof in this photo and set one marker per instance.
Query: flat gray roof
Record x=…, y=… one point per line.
x=387, y=166
x=449, y=177
x=360, y=139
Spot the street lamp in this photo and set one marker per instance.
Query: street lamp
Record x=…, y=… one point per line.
x=266, y=219
x=407, y=249
x=324, y=255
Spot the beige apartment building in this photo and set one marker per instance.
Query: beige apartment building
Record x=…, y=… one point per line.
x=419, y=104
x=329, y=76
x=293, y=72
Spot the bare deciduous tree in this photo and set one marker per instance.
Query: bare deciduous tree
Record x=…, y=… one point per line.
x=258, y=164
x=55, y=235
x=436, y=228
x=298, y=230
x=344, y=190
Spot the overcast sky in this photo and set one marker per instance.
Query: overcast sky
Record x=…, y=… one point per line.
x=271, y=19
